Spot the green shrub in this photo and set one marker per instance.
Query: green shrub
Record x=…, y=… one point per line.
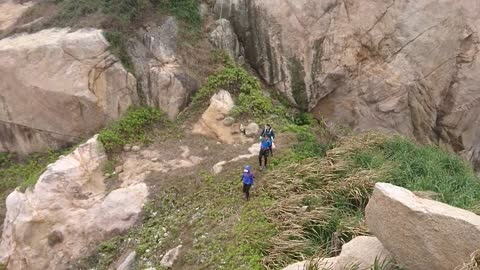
x=184, y=10
x=119, y=48
x=251, y=99
x=130, y=129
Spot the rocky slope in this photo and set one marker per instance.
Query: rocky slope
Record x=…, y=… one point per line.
x=58, y=86
x=68, y=210
x=405, y=66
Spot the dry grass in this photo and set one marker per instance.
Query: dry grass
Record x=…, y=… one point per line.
x=473, y=264
x=318, y=198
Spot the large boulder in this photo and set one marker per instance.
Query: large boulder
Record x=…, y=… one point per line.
x=67, y=212
x=164, y=82
x=422, y=234
x=57, y=87
x=361, y=253
x=211, y=124
x=410, y=66
x=223, y=37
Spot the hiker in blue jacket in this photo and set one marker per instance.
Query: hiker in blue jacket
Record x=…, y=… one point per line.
x=265, y=150
x=267, y=130
x=247, y=178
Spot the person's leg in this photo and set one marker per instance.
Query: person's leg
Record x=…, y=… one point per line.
x=245, y=190
x=260, y=158
x=247, y=193
x=266, y=159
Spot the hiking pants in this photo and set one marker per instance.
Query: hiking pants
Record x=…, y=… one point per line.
x=263, y=154
x=246, y=190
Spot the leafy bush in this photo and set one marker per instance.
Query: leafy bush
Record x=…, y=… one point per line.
x=130, y=129
x=251, y=99
x=184, y=10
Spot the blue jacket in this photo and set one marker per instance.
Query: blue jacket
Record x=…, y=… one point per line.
x=247, y=178
x=266, y=144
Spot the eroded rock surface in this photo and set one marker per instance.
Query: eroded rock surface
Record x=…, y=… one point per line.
x=422, y=234
x=67, y=211
x=409, y=66
x=164, y=81
x=58, y=86
x=11, y=10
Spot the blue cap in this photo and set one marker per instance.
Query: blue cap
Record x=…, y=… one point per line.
x=247, y=168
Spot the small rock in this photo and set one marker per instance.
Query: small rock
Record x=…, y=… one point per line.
x=155, y=159
x=304, y=208
x=206, y=148
x=242, y=128
x=127, y=264
x=252, y=130
x=107, y=175
x=218, y=168
x=127, y=148
x=228, y=121
x=219, y=143
x=220, y=117
x=119, y=169
x=54, y=238
x=170, y=257
x=236, y=128
x=136, y=148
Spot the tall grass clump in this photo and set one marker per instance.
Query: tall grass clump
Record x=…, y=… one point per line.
x=423, y=168
x=132, y=128
x=319, y=203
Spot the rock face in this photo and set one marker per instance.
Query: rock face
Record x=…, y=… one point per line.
x=164, y=82
x=67, y=211
x=360, y=253
x=410, y=66
x=58, y=86
x=170, y=257
x=223, y=37
x=11, y=10
x=422, y=234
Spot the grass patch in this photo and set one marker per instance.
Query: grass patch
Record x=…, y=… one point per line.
x=423, y=168
x=24, y=172
x=132, y=128
x=187, y=11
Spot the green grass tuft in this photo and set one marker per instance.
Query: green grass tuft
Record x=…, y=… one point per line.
x=132, y=128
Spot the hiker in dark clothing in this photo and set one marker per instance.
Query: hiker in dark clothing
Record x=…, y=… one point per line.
x=267, y=130
x=247, y=178
x=265, y=150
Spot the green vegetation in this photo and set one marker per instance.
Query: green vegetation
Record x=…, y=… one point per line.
x=184, y=10
x=23, y=173
x=132, y=128
x=251, y=99
x=119, y=48
x=298, y=86
x=120, y=14
x=422, y=168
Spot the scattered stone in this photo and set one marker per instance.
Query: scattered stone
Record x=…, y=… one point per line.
x=127, y=264
x=127, y=148
x=170, y=257
x=228, y=121
x=252, y=130
x=304, y=208
x=155, y=159
x=107, y=175
x=206, y=148
x=235, y=128
x=218, y=168
x=136, y=148
x=422, y=234
x=242, y=128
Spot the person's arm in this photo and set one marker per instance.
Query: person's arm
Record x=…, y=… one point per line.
x=273, y=135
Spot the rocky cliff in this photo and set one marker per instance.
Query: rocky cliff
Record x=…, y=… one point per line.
x=404, y=66
x=58, y=86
